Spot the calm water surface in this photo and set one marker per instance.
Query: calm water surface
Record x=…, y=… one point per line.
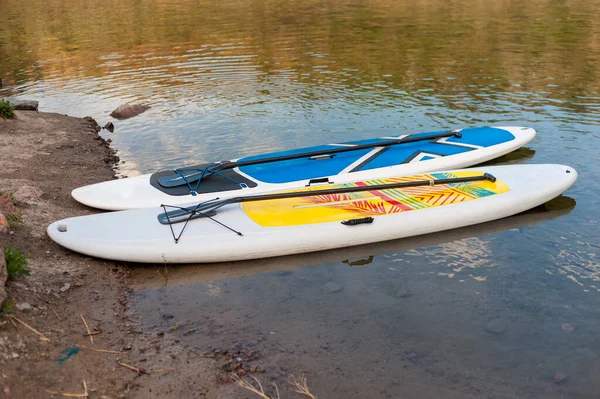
x=489, y=311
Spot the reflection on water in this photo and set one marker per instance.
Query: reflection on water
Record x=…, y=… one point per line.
x=475, y=312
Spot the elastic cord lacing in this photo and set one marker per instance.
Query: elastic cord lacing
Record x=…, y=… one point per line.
x=205, y=173
x=192, y=213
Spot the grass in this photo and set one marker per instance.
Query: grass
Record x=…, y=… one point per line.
x=6, y=110
x=14, y=220
x=8, y=307
x=16, y=262
x=11, y=197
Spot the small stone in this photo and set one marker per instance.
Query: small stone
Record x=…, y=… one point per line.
x=4, y=227
x=110, y=127
x=241, y=372
x=6, y=205
x=127, y=347
x=28, y=194
x=496, y=326
x=65, y=287
x=14, y=355
x=174, y=328
x=567, y=328
x=560, y=376
x=404, y=293
x=23, y=306
x=333, y=287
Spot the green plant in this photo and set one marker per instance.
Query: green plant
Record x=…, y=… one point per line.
x=14, y=220
x=6, y=110
x=16, y=262
x=8, y=307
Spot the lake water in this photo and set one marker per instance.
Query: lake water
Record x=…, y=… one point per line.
x=488, y=311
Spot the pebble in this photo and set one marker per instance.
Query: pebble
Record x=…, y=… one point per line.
x=560, y=376
x=496, y=326
x=22, y=306
x=333, y=287
x=65, y=287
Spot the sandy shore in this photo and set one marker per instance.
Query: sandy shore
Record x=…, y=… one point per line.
x=42, y=158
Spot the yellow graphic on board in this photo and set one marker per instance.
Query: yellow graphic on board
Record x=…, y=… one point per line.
x=337, y=207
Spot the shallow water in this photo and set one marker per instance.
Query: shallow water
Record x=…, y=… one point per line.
x=489, y=304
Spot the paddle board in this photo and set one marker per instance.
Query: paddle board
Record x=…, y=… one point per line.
x=326, y=164
x=317, y=219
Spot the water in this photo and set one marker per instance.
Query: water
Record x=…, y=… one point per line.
x=495, y=310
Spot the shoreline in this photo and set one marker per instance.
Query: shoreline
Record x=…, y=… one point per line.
x=43, y=156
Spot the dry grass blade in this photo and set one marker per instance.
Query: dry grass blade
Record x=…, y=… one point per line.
x=42, y=336
x=67, y=394
x=89, y=332
x=130, y=367
x=87, y=348
x=301, y=386
x=248, y=386
x=276, y=389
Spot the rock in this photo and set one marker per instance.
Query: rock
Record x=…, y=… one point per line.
x=6, y=205
x=333, y=287
x=4, y=227
x=3, y=275
x=567, y=328
x=560, y=376
x=496, y=326
x=110, y=127
x=24, y=105
x=23, y=306
x=28, y=194
x=94, y=125
x=65, y=287
x=404, y=293
x=128, y=111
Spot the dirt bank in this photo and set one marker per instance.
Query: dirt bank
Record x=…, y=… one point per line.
x=42, y=158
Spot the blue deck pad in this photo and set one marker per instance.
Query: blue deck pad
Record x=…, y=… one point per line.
x=305, y=168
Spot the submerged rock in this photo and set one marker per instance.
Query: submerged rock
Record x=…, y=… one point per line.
x=567, y=328
x=333, y=287
x=496, y=326
x=404, y=293
x=128, y=111
x=560, y=376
